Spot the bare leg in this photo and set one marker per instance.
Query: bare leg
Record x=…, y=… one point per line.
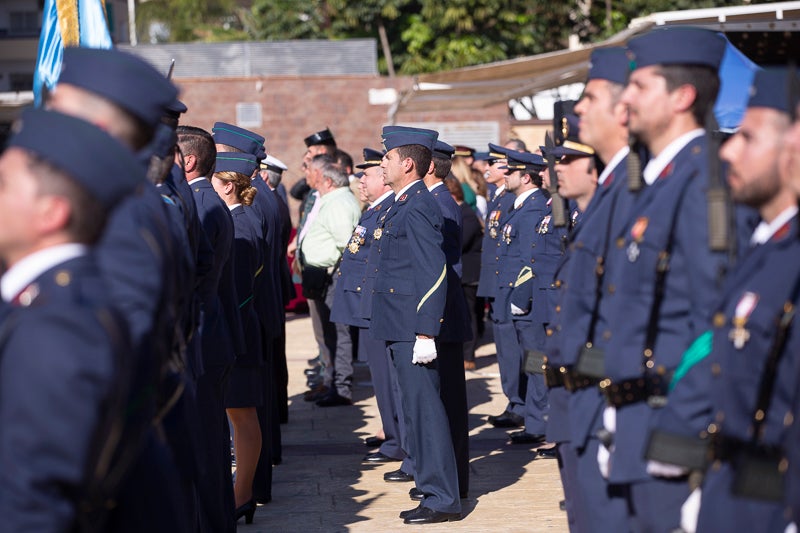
x=247, y=447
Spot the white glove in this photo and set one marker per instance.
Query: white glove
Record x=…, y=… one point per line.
x=791, y=528
x=690, y=510
x=603, y=452
x=666, y=470
x=424, y=351
x=516, y=311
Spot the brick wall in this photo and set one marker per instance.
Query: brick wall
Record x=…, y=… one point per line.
x=293, y=108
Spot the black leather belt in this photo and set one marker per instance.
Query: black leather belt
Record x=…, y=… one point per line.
x=552, y=377
x=566, y=376
x=651, y=388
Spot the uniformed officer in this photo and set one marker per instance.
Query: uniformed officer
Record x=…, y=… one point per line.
x=526, y=254
x=661, y=276
x=455, y=329
x=349, y=292
x=128, y=97
x=750, y=375
x=575, y=401
x=406, y=311
x=500, y=206
x=65, y=357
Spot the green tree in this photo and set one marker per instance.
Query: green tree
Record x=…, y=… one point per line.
x=190, y=20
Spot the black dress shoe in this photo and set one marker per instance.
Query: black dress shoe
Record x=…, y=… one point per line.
x=423, y=515
x=378, y=457
x=416, y=495
x=374, y=442
x=313, y=371
x=547, y=453
x=522, y=437
x=507, y=420
x=397, y=476
x=316, y=393
x=404, y=514
x=246, y=510
x=562, y=505
x=333, y=399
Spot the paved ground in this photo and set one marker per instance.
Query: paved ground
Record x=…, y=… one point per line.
x=323, y=486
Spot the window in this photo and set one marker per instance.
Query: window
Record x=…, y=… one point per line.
x=24, y=23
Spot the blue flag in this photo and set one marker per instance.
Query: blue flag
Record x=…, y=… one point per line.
x=89, y=19
x=736, y=75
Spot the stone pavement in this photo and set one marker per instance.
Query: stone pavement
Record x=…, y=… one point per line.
x=323, y=486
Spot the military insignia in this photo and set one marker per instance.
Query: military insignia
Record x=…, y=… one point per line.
x=544, y=225
x=493, y=233
x=638, y=229
x=564, y=127
x=739, y=335
x=575, y=216
x=377, y=234
x=494, y=218
x=667, y=171
x=403, y=198
x=633, y=251
x=357, y=239
x=376, y=208
x=507, y=234
x=27, y=296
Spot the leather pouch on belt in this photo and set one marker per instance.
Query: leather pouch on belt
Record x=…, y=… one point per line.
x=534, y=362
x=591, y=362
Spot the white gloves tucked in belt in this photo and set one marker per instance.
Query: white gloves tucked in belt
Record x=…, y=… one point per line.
x=424, y=351
x=604, y=452
x=516, y=311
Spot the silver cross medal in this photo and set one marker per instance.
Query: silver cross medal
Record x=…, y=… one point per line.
x=739, y=335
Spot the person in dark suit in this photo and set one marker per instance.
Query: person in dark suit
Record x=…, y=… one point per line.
x=232, y=182
x=471, y=237
x=406, y=312
x=654, y=313
x=66, y=367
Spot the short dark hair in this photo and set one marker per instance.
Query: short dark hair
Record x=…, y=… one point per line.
x=704, y=79
x=343, y=160
x=87, y=214
x=421, y=156
x=199, y=143
x=519, y=144
x=441, y=166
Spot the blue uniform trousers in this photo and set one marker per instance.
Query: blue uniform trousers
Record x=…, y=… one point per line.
x=382, y=383
x=427, y=433
x=601, y=506
x=453, y=391
x=509, y=359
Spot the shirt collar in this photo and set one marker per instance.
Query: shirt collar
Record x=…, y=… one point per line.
x=404, y=189
x=656, y=165
x=201, y=178
x=34, y=265
x=764, y=231
x=522, y=196
x=500, y=189
x=612, y=164
x=233, y=206
x=435, y=185
x=380, y=199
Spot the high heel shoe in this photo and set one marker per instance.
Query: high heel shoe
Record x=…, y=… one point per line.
x=246, y=510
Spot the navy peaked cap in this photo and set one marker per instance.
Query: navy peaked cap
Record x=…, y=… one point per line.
x=245, y=140
x=372, y=158
x=236, y=162
x=771, y=88
x=610, y=64
x=570, y=140
x=100, y=164
x=395, y=136
x=444, y=150
x=677, y=45
x=524, y=161
x=497, y=152
x=125, y=79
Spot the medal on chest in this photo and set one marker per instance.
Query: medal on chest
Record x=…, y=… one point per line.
x=544, y=225
x=507, y=234
x=637, y=234
x=357, y=239
x=493, y=222
x=739, y=334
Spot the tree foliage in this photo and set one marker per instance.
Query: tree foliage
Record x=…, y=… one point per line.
x=421, y=35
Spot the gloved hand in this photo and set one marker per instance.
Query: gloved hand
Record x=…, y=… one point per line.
x=690, y=510
x=659, y=469
x=424, y=351
x=516, y=311
x=604, y=452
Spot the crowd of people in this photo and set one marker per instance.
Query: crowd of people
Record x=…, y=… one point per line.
x=640, y=274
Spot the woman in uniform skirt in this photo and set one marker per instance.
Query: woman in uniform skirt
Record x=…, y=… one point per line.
x=231, y=180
